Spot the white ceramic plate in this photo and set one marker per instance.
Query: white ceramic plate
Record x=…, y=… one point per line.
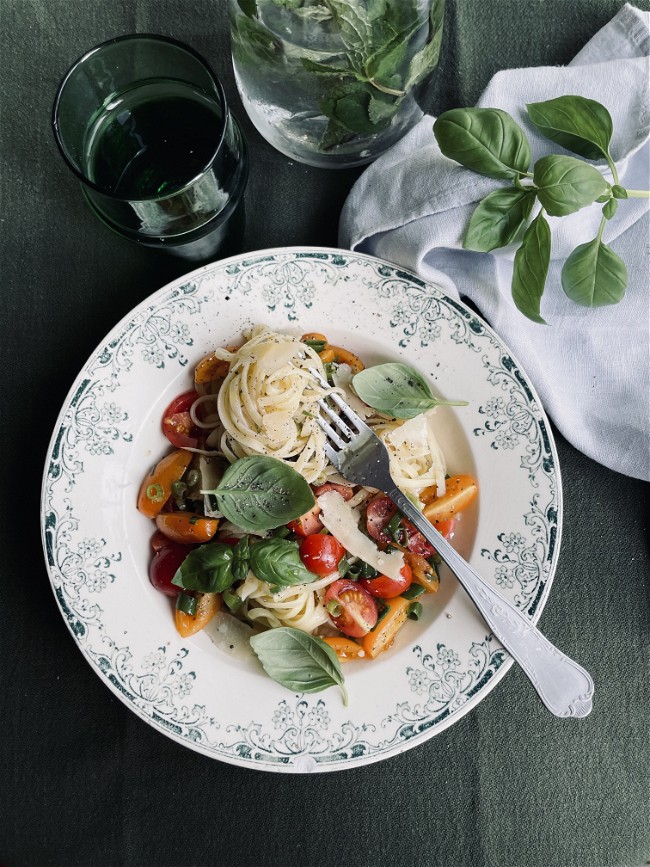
x=217, y=701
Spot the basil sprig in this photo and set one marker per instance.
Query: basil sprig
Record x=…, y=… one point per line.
x=298, y=661
x=215, y=567
x=260, y=493
x=488, y=141
x=398, y=390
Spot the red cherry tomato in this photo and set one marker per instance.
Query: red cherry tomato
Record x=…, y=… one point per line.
x=321, y=554
x=344, y=490
x=384, y=587
x=307, y=524
x=415, y=541
x=177, y=423
x=352, y=609
x=165, y=563
x=378, y=513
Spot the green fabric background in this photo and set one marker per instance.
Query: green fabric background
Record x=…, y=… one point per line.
x=85, y=782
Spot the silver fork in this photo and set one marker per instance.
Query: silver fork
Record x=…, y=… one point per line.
x=564, y=686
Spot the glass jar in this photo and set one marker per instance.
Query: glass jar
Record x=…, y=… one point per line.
x=334, y=83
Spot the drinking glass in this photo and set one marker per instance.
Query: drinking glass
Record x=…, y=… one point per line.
x=143, y=122
x=334, y=83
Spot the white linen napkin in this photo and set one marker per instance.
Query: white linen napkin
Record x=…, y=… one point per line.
x=590, y=366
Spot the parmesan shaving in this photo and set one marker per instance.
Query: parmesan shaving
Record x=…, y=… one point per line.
x=416, y=460
x=343, y=523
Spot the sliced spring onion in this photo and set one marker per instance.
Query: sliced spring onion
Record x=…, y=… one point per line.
x=334, y=608
x=316, y=345
x=414, y=591
x=186, y=603
x=155, y=493
x=179, y=488
x=232, y=600
x=415, y=611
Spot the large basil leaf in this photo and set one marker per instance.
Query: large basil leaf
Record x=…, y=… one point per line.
x=398, y=390
x=499, y=219
x=261, y=493
x=565, y=184
x=594, y=275
x=207, y=568
x=530, y=269
x=580, y=125
x=277, y=561
x=486, y=140
x=298, y=661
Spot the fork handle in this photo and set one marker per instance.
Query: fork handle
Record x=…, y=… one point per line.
x=564, y=686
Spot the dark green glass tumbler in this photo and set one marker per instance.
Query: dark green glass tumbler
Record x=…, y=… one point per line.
x=143, y=122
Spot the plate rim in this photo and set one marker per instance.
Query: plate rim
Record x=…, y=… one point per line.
x=310, y=765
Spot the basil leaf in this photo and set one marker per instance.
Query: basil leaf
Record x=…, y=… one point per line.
x=241, y=559
x=499, y=219
x=610, y=209
x=486, y=140
x=530, y=269
x=277, y=561
x=594, y=275
x=347, y=104
x=565, y=184
x=397, y=389
x=426, y=60
x=580, y=125
x=207, y=568
x=261, y=493
x=382, y=108
x=298, y=661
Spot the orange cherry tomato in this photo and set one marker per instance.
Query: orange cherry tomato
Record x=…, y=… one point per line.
x=156, y=487
x=460, y=491
x=345, y=648
x=207, y=605
x=186, y=528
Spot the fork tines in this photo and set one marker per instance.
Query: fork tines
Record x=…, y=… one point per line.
x=340, y=432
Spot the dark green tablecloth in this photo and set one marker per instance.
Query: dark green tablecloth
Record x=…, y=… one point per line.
x=82, y=779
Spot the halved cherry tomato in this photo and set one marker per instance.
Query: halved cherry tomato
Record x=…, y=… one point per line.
x=344, y=648
x=381, y=638
x=207, y=605
x=308, y=523
x=210, y=370
x=378, y=513
x=321, y=554
x=344, y=356
x=354, y=611
x=384, y=587
x=423, y=572
x=156, y=487
x=344, y=490
x=165, y=563
x=186, y=528
x=177, y=423
x=459, y=493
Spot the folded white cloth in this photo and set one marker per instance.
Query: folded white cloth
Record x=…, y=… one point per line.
x=590, y=366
